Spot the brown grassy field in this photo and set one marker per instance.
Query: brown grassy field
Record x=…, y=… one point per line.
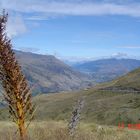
x=52, y=130
x=101, y=112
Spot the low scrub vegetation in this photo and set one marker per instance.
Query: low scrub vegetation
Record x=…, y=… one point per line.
x=58, y=131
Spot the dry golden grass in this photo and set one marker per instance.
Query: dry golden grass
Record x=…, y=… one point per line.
x=58, y=131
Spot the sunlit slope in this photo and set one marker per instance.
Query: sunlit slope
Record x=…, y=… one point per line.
x=129, y=82
x=101, y=107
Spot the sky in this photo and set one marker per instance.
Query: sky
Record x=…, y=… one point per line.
x=75, y=29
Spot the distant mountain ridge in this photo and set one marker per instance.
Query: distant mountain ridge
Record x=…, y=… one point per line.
x=48, y=74
x=107, y=69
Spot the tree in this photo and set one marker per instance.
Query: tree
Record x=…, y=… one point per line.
x=17, y=93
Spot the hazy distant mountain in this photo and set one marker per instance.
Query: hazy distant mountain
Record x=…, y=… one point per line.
x=49, y=74
x=107, y=69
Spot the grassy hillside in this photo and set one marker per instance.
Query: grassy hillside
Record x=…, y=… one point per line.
x=101, y=107
x=130, y=82
x=108, y=103
x=103, y=104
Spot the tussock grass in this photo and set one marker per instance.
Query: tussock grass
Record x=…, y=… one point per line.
x=58, y=131
x=101, y=107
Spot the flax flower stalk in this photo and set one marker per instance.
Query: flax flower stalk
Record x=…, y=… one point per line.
x=75, y=118
x=17, y=93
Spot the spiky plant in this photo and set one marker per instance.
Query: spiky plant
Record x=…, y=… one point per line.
x=76, y=114
x=17, y=93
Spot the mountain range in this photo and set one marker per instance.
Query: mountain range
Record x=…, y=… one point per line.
x=46, y=73
x=102, y=104
x=107, y=69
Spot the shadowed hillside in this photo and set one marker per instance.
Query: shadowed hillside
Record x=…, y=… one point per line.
x=49, y=74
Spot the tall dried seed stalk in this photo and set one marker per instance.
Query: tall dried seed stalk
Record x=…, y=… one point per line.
x=17, y=93
x=76, y=114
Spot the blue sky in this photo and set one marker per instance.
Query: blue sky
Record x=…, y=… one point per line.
x=75, y=29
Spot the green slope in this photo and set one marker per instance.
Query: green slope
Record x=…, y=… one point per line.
x=129, y=82
x=101, y=106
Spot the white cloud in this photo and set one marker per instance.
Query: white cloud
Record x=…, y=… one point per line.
x=37, y=18
x=73, y=8
x=74, y=58
x=120, y=55
x=15, y=26
x=28, y=49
